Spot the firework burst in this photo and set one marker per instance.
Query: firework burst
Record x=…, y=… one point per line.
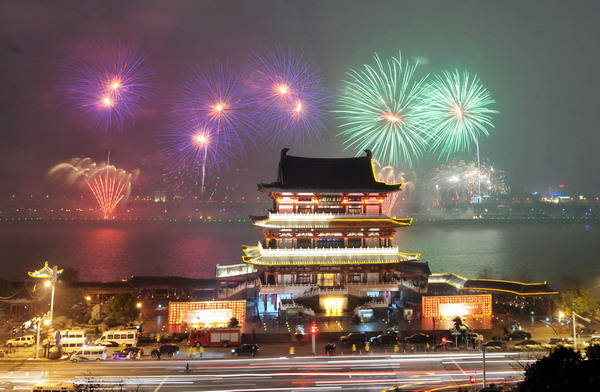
x=106, y=85
x=108, y=184
x=459, y=181
x=291, y=98
x=213, y=114
x=381, y=108
x=458, y=111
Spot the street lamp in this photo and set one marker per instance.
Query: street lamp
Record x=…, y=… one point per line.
x=483, y=350
x=51, y=276
x=574, y=330
x=38, y=328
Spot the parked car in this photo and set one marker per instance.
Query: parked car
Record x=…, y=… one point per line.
x=383, y=339
x=128, y=352
x=592, y=341
x=246, y=349
x=418, y=338
x=557, y=342
x=354, y=338
x=475, y=336
x=529, y=344
x=586, y=332
x=518, y=335
x=167, y=349
x=495, y=345
x=21, y=341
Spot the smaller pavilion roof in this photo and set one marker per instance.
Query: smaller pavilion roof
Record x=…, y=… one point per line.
x=45, y=272
x=301, y=174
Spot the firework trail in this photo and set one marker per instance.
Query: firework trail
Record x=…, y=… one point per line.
x=291, y=98
x=108, y=184
x=381, y=108
x=458, y=111
x=459, y=181
x=212, y=115
x=106, y=85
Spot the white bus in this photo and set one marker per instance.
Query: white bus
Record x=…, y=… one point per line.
x=128, y=337
x=90, y=353
x=54, y=387
x=71, y=340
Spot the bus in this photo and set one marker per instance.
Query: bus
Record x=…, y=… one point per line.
x=223, y=337
x=128, y=337
x=54, y=387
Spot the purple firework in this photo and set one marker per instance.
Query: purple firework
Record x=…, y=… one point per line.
x=212, y=115
x=291, y=97
x=106, y=85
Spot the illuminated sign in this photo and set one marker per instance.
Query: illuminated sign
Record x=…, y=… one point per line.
x=206, y=312
x=457, y=305
x=207, y=316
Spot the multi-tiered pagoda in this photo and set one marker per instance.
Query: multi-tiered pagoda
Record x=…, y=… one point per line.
x=328, y=245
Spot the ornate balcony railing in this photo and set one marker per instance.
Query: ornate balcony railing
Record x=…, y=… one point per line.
x=391, y=250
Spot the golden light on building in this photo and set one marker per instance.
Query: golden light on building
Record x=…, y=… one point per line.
x=333, y=306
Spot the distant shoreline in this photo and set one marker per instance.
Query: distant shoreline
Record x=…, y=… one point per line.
x=226, y=221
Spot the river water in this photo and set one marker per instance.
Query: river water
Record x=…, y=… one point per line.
x=115, y=250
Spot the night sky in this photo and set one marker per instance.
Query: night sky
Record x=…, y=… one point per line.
x=540, y=60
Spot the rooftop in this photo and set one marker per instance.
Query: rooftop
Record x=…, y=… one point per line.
x=319, y=256
x=328, y=221
x=506, y=286
x=301, y=174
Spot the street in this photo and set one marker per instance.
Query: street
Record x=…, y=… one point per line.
x=372, y=372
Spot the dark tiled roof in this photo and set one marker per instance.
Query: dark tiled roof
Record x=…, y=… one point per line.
x=297, y=174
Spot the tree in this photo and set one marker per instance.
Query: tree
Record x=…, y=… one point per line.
x=578, y=299
x=74, y=306
x=69, y=274
x=121, y=309
x=233, y=322
x=563, y=370
x=6, y=290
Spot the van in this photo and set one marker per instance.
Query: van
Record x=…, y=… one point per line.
x=69, y=336
x=128, y=337
x=25, y=341
x=54, y=387
x=90, y=353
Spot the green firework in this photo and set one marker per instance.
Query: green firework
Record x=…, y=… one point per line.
x=458, y=110
x=381, y=108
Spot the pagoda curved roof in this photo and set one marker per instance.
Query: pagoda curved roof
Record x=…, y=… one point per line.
x=319, y=256
x=302, y=174
x=290, y=221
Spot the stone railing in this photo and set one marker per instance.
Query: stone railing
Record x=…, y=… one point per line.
x=301, y=308
x=319, y=215
x=392, y=250
x=228, y=292
x=224, y=271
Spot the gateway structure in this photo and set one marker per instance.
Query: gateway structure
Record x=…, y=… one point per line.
x=327, y=243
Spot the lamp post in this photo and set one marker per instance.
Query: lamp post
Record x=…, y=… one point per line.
x=483, y=351
x=51, y=276
x=39, y=327
x=574, y=329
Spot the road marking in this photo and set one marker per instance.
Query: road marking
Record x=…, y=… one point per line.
x=161, y=384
